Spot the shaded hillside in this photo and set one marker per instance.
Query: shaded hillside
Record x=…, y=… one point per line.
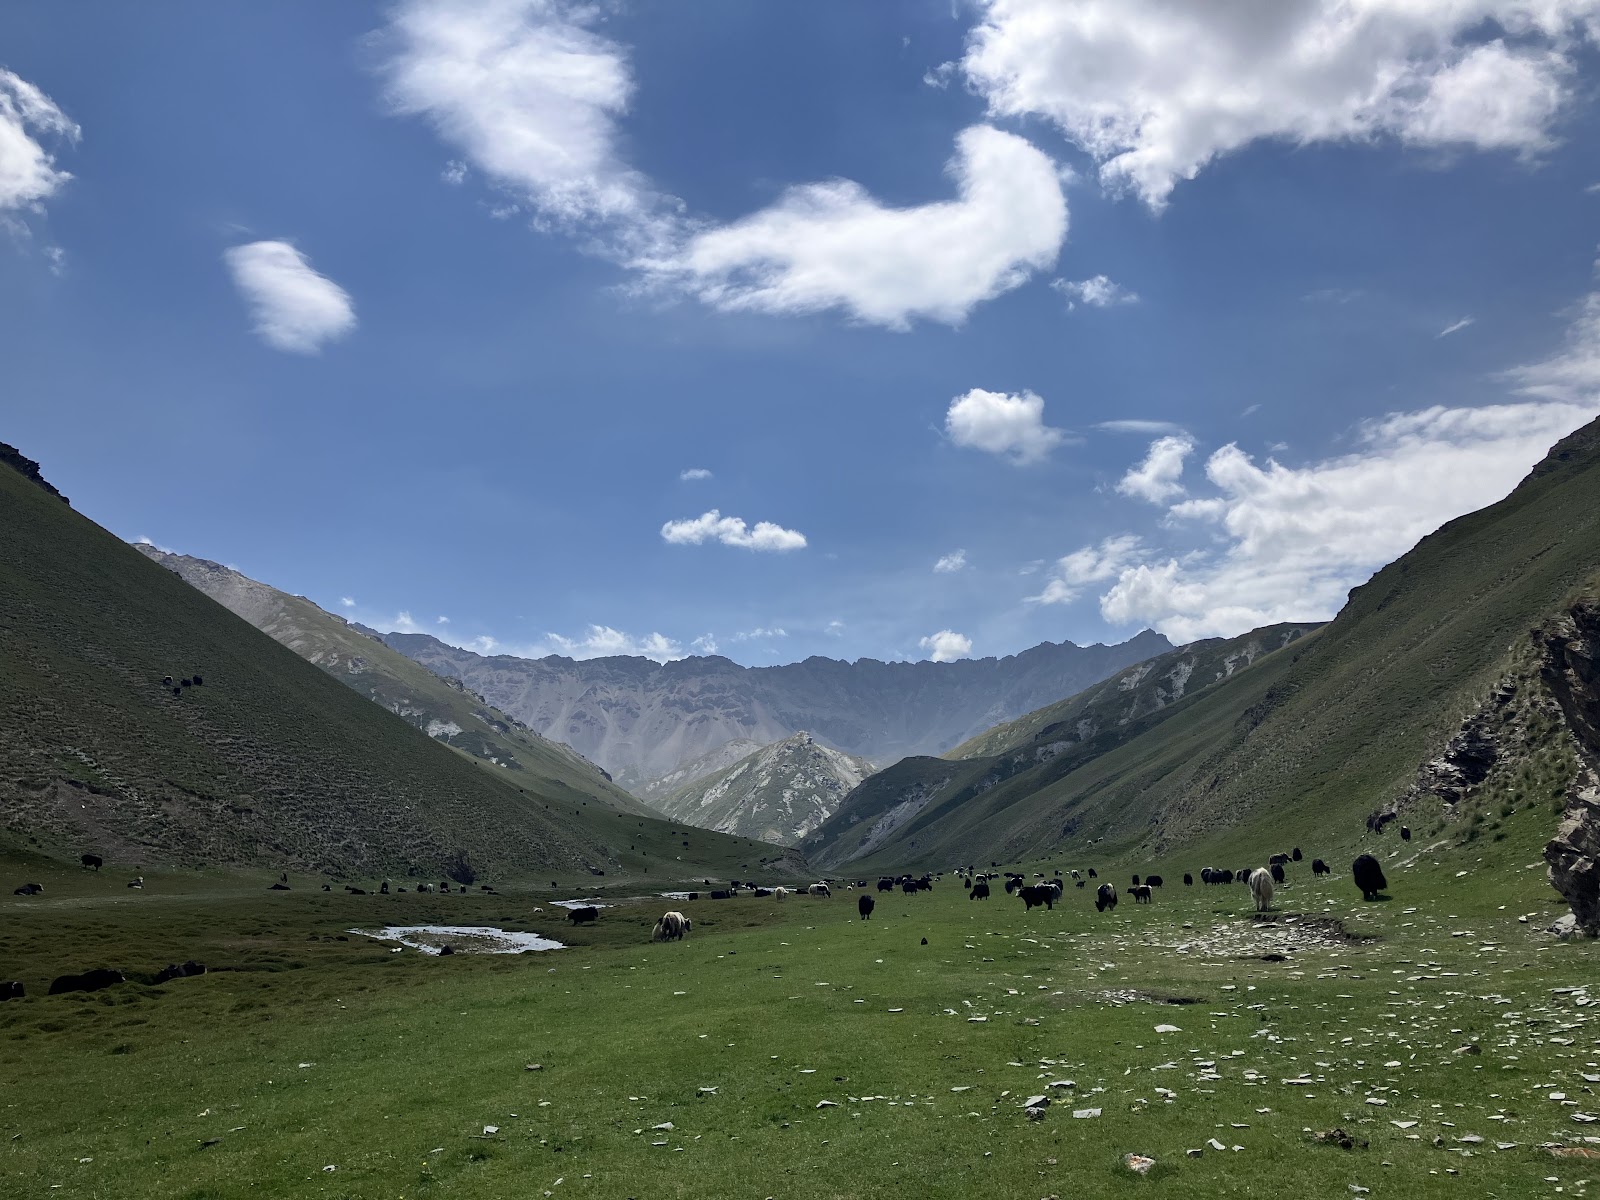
x=1045, y=745
x=643, y=720
x=1319, y=735
x=264, y=759
x=443, y=709
x=778, y=794
x=721, y=758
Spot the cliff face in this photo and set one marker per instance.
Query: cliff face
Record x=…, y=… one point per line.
x=1571, y=670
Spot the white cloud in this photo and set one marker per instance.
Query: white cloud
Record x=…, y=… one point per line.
x=1156, y=89
x=833, y=246
x=946, y=645
x=601, y=641
x=834, y=629
x=732, y=531
x=144, y=541
x=1002, y=424
x=442, y=621
x=1574, y=373
x=760, y=633
x=1156, y=478
x=1097, y=292
x=1455, y=327
x=950, y=563
x=294, y=308
x=1149, y=428
x=694, y=473
x=28, y=172
x=347, y=601
x=454, y=173
x=1092, y=564
x=529, y=94
x=1298, y=538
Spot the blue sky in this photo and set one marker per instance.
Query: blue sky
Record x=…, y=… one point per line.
x=991, y=323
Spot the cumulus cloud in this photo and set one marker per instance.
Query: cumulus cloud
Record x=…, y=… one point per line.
x=295, y=309
x=950, y=563
x=1156, y=478
x=28, y=117
x=1096, y=292
x=1155, y=90
x=760, y=633
x=347, y=601
x=1296, y=539
x=528, y=93
x=1455, y=327
x=694, y=473
x=946, y=645
x=1091, y=564
x=834, y=246
x=601, y=641
x=1002, y=424
x=732, y=531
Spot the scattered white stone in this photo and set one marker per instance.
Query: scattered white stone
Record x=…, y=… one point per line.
x=1082, y=1113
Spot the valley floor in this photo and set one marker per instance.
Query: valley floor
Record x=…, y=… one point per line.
x=791, y=1050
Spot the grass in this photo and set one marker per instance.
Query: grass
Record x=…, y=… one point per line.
x=300, y=1051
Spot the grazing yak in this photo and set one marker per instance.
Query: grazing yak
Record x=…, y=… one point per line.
x=1188, y=879
x=819, y=889
x=1153, y=880
x=1105, y=898
x=29, y=889
x=1037, y=894
x=587, y=915
x=1368, y=876
x=885, y=884
x=11, y=989
x=778, y=893
x=1277, y=860
x=180, y=971
x=1277, y=872
x=1296, y=854
x=91, y=862
x=1261, y=889
x=1092, y=875
x=722, y=894
x=1140, y=894
x=672, y=927
x=864, y=905
x=980, y=891
x=1405, y=833
x=1318, y=867
x=89, y=981
x=1135, y=881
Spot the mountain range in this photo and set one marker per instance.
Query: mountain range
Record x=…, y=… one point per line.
x=644, y=721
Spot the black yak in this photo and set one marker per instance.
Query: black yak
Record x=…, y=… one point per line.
x=1405, y=833
x=89, y=981
x=1188, y=880
x=91, y=862
x=864, y=905
x=1318, y=867
x=1035, y=894
x=1368, y=875
x=1277, y=872
x=1296, y=855
x=1152, y=881
x=980, y=891
x=583, y=916
x=1105, y=898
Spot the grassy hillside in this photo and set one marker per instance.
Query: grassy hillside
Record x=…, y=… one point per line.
x=268, y=761
x=443, y=709
x=1317, y=736
x=962, y=788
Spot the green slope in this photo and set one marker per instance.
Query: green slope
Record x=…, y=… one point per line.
x=443, y=709
x=270, y=762
x=1311, y=739
x=963, y=789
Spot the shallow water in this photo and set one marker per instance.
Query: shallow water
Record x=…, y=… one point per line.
x=582, y=904
x=463, y=939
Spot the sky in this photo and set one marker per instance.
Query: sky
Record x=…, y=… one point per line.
x=899, y=330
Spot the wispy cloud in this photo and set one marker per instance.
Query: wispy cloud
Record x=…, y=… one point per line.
x=694, y=473
x=295, y=309
x=1456, y=327
x=712, y=526
x=1097, y=292
x=28, y=172
x=1147, y=428
x=955, y=561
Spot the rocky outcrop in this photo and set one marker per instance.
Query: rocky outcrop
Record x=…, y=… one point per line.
x=28, y=469
x=1571, y=670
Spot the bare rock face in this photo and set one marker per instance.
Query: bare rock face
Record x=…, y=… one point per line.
x=1571, y=671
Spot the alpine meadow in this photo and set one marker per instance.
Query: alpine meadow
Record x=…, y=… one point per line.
x=724, y=601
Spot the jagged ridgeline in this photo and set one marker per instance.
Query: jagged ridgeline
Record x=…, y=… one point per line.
x=262, y=759
x=1306, y=740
